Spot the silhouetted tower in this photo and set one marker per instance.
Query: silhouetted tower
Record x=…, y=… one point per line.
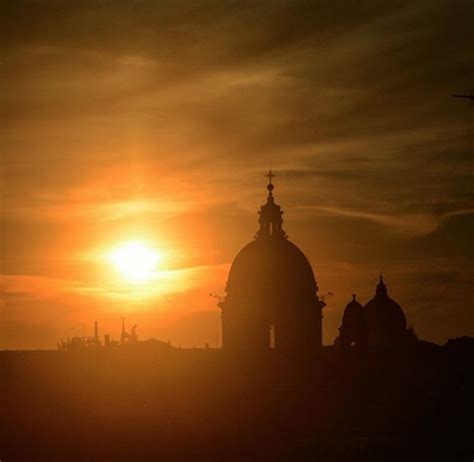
x=271, y=297
x=123, y=334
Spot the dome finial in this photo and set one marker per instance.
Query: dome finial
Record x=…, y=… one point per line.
x=353, y=297
x=381, y=287
x=270, y=175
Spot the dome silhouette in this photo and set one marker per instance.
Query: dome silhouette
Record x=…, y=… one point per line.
x=353, y=330
x=353, y=313
x=385, y=318
x=271, y=293
x=275, y=270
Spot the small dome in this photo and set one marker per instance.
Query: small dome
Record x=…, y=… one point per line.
x=353, y=313
x=385, y=318
x=353, y=331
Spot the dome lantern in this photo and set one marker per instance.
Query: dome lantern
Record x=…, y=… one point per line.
x=381, y=290
x=270, y=214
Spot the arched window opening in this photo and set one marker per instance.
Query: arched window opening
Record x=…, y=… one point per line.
x=272, y=336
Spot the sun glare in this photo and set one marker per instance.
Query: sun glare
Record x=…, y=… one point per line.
x=135, y=261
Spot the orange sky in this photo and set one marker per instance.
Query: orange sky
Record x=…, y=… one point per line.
x=133, y=120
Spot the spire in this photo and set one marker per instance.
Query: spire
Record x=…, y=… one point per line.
x=381, y=287
x=270, y=214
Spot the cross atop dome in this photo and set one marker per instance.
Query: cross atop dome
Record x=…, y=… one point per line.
x=270, y=175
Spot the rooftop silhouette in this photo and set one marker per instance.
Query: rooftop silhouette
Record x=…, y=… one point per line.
x=272, y=392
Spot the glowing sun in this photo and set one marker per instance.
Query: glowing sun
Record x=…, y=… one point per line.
x=135, y=261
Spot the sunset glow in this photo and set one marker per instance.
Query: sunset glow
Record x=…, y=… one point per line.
x=236, y=230
x=136, y=138
x=135, y=261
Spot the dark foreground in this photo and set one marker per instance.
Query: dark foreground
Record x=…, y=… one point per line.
x=146, y=404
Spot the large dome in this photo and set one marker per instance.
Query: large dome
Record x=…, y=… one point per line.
x=386, y=311
x=271, y=268
x=271, y=299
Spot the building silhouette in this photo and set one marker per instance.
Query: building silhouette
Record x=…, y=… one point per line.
x=353, y=330
x=385, y=319
x=271, y=299
x=380, y=323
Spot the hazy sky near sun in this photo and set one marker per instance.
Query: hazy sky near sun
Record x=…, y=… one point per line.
x=125, y=120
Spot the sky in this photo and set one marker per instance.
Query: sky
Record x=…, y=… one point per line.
x=156, y=121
